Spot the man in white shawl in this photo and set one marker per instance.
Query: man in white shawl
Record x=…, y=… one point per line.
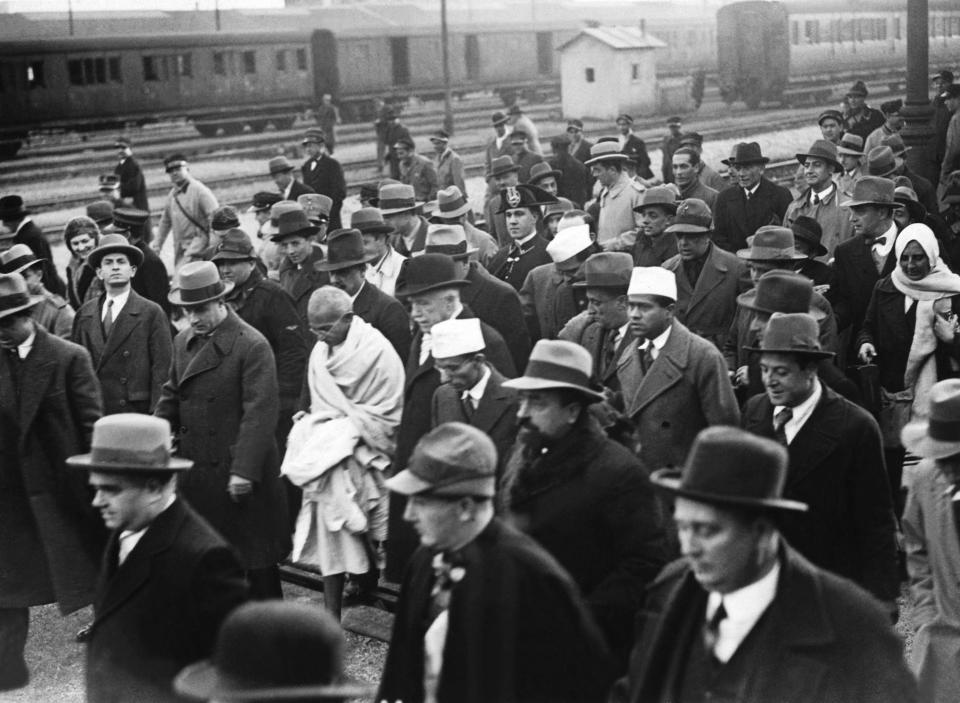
x=343, y=438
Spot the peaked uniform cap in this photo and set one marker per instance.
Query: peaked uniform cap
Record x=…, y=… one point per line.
x=524, y=196
x=315, y=135
x=453, y=459
x=830, y=115
x=263, y=200
x=692, y=216
x=316, y=205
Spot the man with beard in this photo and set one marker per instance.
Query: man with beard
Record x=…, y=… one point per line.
x=586, y=499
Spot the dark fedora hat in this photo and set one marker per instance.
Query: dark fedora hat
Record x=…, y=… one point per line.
x=429, y=272
x=542, y=170
x=792, y=333
x=293, y=223
x=809, y=230
x=130, y=443
x=14, y=295
x=554, y=364
x=344, y=250
x=882, y=162
x=822, y=149
x=235, y=245
x=771, y=243
x=369, y=220
x=728, y=466
x=18, y=259
x=607, y=269
x=859, y=89
x=783, y=292
x=224, y=217
x=279, y=164
x=663, y=197
x=273, y=650
x=12, y=208
x=938, y=436
x=501, y=165
x=745, y=153
x=114, y=244
x=198, y=282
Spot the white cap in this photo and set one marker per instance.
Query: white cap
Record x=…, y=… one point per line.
x=456, y=338
x=652, y=280
x=569, y=242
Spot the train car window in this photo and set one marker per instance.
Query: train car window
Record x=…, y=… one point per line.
x=400, y=56
x=301, y=59
x=812, y=31
x=471, y=56
x=113, y=67
x=635, y=72
x=100, y=69
x=590, y=75
x=185, y=65
x=150, y=69
x=35, y=77
x=281, y=60
x=249, y=62
x=219, y=65
x=75, y=71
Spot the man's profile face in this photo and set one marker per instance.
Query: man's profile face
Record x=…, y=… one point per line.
x=787, y=382
x=123, y=504
x=684, y=172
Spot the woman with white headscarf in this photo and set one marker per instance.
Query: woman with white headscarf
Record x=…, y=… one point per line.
x=911, y=333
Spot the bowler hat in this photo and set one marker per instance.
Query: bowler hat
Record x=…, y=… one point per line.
x=830, y=115
x=937, y=437
x=453, y=459
x=396, y=198
x=109, y=181
x=822, y=149
x=772, y=243
x=566, y=249
x=448, y=239
x=781, y=291
x=872, y=190
x=224, y=217
x=344, y=250
x=728, y=466
x=693, y=216
x=523, y=196
x=501, y=165
x=429, y=272
x=101, y=212
x=114, y=244
x=317, y=206
x=556, y=363
x=792, y=333
x=130, y=443
x=606, y=151
x=907, y=198
x=368, y=220
x=173, y=162
x=263, y=200
x=315, y=135
x=659, y=196
x=11, y=208
x=858, y=88
x=279, y=164
x=198, y=282
x=498, y=118
x=17, y=259
x=126, y=219
x=895, y=142
x=881, y=162
x=607, y=269
x=235, y=245
x=451, y=203
x=809, y=230
x=745, y=153
x=273, y=650
x=293, y=223
x=14, y=295
x=542, y=170
x=850, y=144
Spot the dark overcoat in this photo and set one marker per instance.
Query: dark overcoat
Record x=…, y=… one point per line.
x=50, y=536
x=889, y=328
x=574, y=182
x=707, y=306
x=827, y=641
x=498, y=304
x=387, y=314
x=222, y=401
x=517, y=630
x=161, y=609
x=325, y=176
x=31, y=235
x=735, y=218
x=584, y=330
x=837, y=468
x=549, y=301
x=587, y=500
x=299, y=281
x=297, y=189
x=509, y=266
x=855, y=275
x=152, y=280
x=134, y=361
x=132, y=183
x=637, y=150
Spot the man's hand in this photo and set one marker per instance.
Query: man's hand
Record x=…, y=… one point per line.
x=742, y=377
x=867, y=353
x=238, y=487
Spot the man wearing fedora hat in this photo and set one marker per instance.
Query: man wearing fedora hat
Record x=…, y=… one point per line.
x=493, y=301
x=432, y=286
x=128, y=336
x=544, y=176
x=836, y=463
x=670, y=144
x=930, y=529
x=416, y=170
x=743, y=616
x=582, y=496
x=189, y=209
x=484, y=613
x=274, y=651
x=347, y=263
x=449, y=163
x=281, y=172
x=573, y=181
x=294, y=235
x=16, y=221
x=151, y=279
x=385, y=261
x=497, y=145
x=686, y=174
x=674, y=382
x=822, y=199
x=521, y=208
x=265, y=306
x=53, y=313
x=850, y=152
x=653, y=216
x=523, y=157
x=520, y=122
x=617, y=197
x=453, y=209
x=926, y=191
x=50, y=537
x=323, y=173
x=402, y=211
x=752, y=202
x=503, y=173
x=222, y=397
x=317, y=207
x=807, y=234
x=133, y=186
x=168, y=580
x=860, y=118
x=260, y=206
x=708, y=278
x=948, y=138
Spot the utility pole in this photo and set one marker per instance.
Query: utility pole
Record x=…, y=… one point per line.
x=917, y=133
x=70, y=15
x=445, y=39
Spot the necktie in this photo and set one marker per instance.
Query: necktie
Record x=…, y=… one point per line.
x=610, y=349
x=108, y=319
x=711, y=633
x=646, y=358
x=880, y=241
x=746, y=194
x=780, y=421
x=816, y=199
x=468, y=408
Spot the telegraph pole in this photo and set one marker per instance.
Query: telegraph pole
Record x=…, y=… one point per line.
x=917, y=132
x=445, y=40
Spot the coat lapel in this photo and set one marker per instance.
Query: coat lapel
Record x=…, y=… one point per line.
x=666, y=371
x=128, y=319
x=713, y=274
x=495, y=402
x=816, y=440
x=414, y=368
x=215, y=349
x=35, y=375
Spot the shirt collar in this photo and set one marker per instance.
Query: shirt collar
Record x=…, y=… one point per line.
x=526, y=240
x=802, y=411
x=353, y=298
x=752, y=191
x=23, y=349
x=822, y=194
x=891, y=236
x=660, y=340
x=476, y=393
x=118, y=301
x=749, y=602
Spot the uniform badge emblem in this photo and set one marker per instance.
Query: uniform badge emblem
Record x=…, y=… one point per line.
x=513, y=197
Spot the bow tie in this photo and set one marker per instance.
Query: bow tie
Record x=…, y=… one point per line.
x=879, y=240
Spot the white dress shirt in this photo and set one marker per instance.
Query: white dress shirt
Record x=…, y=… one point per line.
x=658, y=343
x=882, y=251
x=750, y=192
x=475, y=394
x=744, y=608
x=801, y=413
x=118, y=302
x=821, y=195
x=128, y=540
x=26, y=345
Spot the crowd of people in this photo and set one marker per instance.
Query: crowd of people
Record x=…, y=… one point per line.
x=617, y=435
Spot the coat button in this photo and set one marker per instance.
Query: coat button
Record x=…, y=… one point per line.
x=126, y=353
